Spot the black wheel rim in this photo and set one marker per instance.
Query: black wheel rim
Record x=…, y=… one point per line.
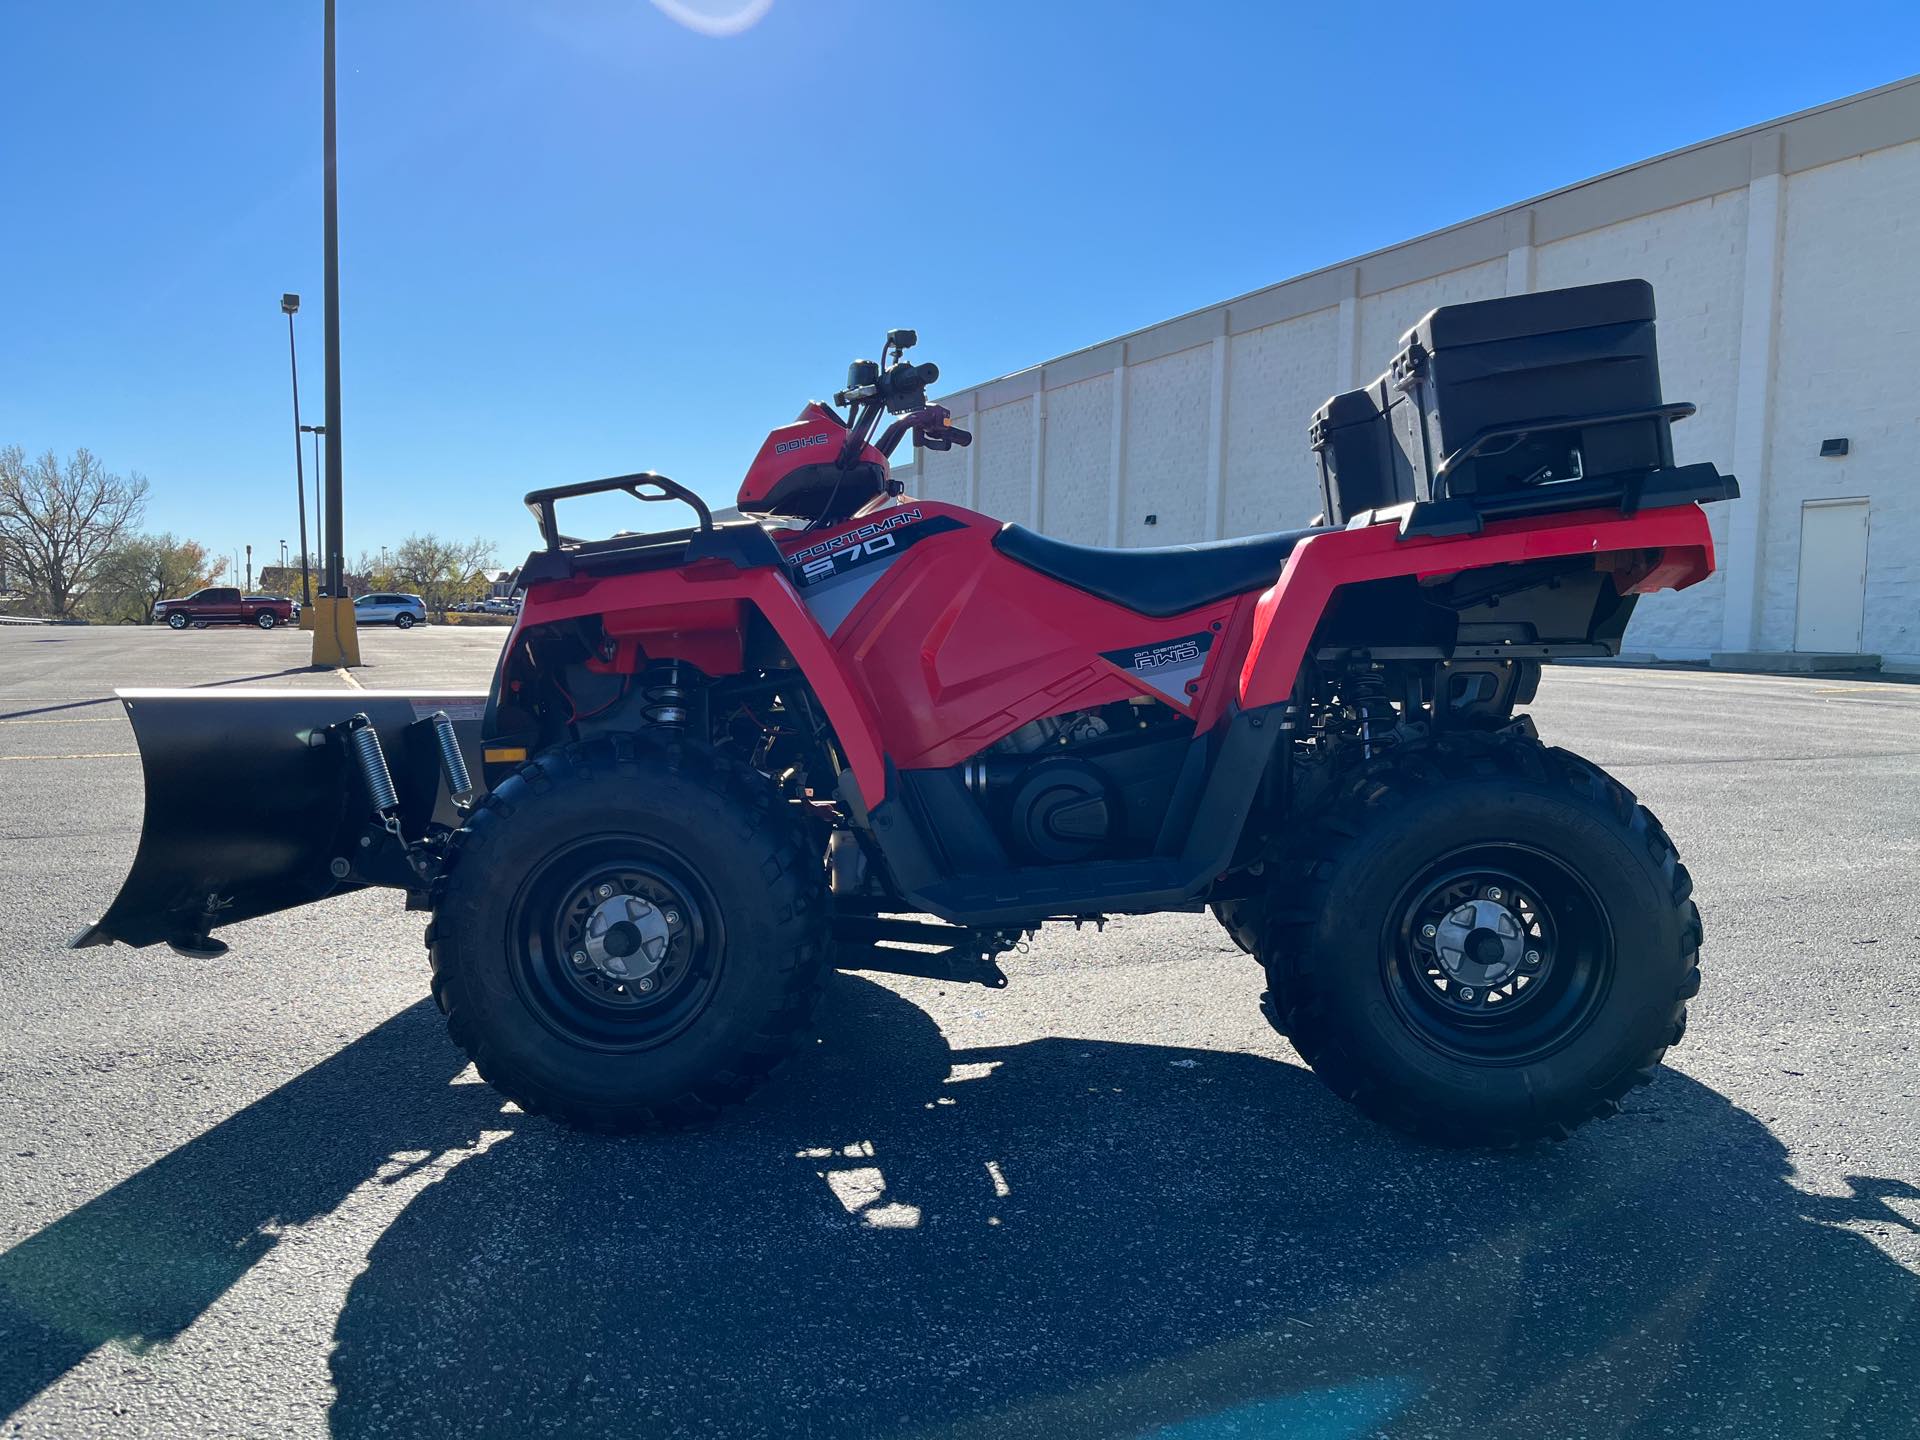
x=673, y=956
x=1498, y=954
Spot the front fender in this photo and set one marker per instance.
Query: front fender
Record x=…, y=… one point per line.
x=705, y=587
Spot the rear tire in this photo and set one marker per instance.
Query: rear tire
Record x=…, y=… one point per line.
x=1482, y=942
x=264, y=619
x=403, y=622
x=678, y=868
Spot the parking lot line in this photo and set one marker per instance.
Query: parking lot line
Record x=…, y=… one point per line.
x=92, y=755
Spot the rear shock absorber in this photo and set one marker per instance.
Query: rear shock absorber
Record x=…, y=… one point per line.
x=665, y=696
x=1366, y=695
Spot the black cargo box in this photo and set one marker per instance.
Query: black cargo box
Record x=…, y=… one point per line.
x=1526, y=390
x=1360, y=466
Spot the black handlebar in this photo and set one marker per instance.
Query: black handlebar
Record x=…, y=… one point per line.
x=900, y=387
x=932, y=427
x=541, y=502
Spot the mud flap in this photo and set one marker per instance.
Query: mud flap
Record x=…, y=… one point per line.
x=250, y=802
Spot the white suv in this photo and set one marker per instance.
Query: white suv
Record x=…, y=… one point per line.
x=405, y=611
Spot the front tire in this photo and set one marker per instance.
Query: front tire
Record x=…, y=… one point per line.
x=1241, y=919
x=1483, y=942
x=176, y=622
x=632, y=934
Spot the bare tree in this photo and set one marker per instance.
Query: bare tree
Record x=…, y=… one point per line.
x=379, y=574
x=440, y=571
x=143, y=570
x=56, y=522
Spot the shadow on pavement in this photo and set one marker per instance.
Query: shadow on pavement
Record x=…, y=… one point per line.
x=49, y=709
x=1073, y=1238
x=269, y=675
x=1055, y=1238
x=139, y=1264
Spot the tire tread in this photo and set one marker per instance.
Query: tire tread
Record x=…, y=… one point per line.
x=742, y=801
x=1294, y=1007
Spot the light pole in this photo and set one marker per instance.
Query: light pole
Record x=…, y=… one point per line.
x=250, y=560
x=283, y=554
x=318, y=533
x=288, y=304
x=335, y=640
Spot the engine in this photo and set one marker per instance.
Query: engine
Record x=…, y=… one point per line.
x=1086, y=784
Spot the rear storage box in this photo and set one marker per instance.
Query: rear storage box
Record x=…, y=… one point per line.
x=1360, y=466
x=1527, y=390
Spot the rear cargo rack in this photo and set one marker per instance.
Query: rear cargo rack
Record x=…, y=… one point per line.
x=1632, y=492
x=1679, y=410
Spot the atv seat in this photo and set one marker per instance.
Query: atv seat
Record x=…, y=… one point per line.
x=1161, y=581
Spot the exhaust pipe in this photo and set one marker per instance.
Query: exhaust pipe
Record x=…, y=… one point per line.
x=258, y=801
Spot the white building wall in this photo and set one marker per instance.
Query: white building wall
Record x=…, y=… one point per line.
x=1785, y=262
x=1693, y=254
x=1849, y=332
x=1277, y=376
x=1004, y=437
x=1074, y=480
x=942, y=475
x=1167, y=434
x=1385, y=317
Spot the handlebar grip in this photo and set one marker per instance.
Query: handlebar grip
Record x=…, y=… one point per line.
x=906, y=381
x=956, y=435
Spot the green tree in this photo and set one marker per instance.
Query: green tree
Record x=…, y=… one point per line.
x=138, y=573
x=440, y=571
x=58, y=521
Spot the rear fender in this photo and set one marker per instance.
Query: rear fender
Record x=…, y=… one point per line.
x=698, y=614
x=1664, y=549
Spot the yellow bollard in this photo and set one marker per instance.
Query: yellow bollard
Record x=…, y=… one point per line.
x=306, y=615
x=336, y=634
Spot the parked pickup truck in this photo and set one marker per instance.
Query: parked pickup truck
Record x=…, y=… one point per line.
x=224, y=605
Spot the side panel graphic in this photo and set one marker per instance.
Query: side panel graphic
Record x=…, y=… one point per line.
x=1166, y=665
x=833, y=575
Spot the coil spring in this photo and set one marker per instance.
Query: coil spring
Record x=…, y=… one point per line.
x=452, y=762
x=664, y=694
x=372, y=763
x=1365, y=692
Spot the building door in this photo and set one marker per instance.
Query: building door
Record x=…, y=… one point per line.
x=1833, y=576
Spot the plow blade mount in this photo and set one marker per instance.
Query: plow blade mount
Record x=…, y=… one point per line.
x=254, y=804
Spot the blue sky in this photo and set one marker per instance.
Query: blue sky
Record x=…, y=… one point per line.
x=579, y=238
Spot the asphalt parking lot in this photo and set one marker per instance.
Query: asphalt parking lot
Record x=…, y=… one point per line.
x=259, y=1196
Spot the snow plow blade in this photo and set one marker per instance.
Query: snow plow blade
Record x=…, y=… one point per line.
x=255, y=802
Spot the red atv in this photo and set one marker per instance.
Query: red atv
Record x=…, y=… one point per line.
x=708, y=754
